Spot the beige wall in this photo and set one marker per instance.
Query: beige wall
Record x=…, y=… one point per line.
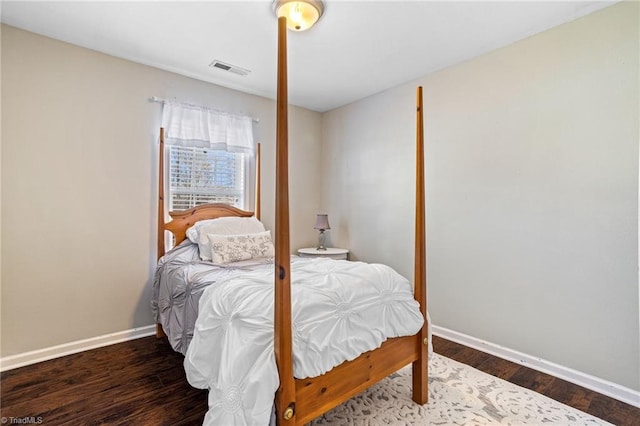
x=532, y=204
x=79, y=155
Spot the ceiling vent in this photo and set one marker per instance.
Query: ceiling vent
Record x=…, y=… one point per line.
x=228, y=67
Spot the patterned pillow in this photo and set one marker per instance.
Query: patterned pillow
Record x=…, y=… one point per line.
x=234, y=248
x=221, y=226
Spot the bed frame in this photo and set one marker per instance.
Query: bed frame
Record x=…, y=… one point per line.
x=298, y=401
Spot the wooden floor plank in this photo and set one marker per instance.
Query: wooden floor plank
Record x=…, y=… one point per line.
x=142, y=382
x=500, y=368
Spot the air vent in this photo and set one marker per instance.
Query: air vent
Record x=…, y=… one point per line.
x=228, y=67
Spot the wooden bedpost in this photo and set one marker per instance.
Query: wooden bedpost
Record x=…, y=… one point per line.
x=159, y=331
x=420, y=381
x=161, y=196
x=257, y=200
x=283, y=346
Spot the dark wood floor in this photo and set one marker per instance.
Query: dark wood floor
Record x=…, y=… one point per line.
x=142, y=382
x=601, y=406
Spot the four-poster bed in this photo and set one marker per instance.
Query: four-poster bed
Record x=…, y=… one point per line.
x=299, y=400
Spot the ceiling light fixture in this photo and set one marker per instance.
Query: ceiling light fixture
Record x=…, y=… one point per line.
x=300, y=14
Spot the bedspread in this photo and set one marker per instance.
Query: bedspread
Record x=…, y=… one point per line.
x=340, y=309
x=180, y=280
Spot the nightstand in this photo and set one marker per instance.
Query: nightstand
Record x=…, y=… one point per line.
x=330, y=253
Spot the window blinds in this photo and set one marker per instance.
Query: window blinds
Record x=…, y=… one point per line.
x=200, y=176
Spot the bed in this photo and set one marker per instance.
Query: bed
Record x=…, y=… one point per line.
x=267, y=289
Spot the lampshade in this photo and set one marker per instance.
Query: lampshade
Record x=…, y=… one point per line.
x=322, y=222
x=300, y=14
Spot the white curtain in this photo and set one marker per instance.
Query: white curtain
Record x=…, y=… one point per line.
x=195, y=126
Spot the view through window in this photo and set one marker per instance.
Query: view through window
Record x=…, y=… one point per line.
x=201, y=176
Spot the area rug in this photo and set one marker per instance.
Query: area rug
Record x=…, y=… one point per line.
x=458, y=395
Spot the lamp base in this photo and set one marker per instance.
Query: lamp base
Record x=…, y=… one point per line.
x=321, y=239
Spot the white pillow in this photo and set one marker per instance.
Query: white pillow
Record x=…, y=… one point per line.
x=235, y=248
x=221, y=226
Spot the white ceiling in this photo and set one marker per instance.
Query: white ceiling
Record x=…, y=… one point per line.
x=358, y=48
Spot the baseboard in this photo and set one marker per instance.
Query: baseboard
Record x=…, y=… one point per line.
x=613, y=390
x=28, y=358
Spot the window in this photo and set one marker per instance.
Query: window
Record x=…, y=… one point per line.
x=201, y=176
x=207, y=156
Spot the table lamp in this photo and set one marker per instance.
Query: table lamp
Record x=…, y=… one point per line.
x=322, y=224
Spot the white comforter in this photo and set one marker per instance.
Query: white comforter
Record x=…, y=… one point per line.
x=340, y=309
